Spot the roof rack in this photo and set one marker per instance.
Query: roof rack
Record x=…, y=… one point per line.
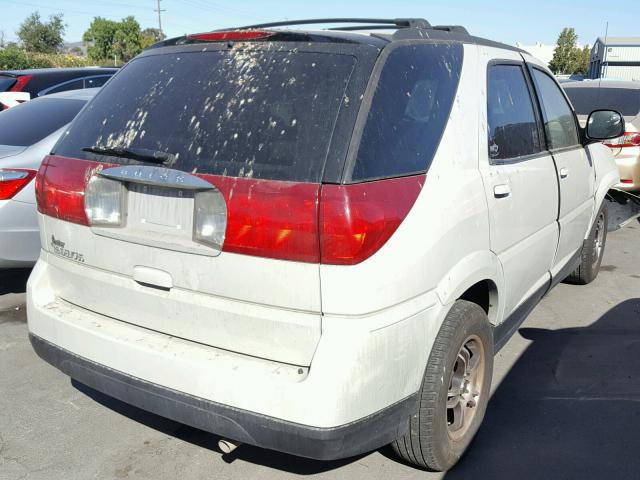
x=377, y=23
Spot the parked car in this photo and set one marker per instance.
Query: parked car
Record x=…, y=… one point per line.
x=17, y=86
x=315, y=241
x=28, y=133
x=625, y=98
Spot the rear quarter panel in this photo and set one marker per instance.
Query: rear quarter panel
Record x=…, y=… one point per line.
x=443, y=243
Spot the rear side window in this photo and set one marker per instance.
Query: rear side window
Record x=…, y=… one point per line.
x=513, y=131
x=409, y=111
x=587, y=99
x=93, y=82
x=30, y=122
x=559, y=121
x=259, y=113
x=6, y=82
x=63, y=87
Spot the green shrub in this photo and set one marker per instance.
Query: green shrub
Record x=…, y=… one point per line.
x=17, y=59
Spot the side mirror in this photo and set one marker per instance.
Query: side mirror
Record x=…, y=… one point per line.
x=605, y=125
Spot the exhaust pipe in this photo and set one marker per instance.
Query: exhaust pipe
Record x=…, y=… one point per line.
x=227, y=446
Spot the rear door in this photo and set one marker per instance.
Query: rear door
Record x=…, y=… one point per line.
x=520, y=181
x=576, y=174
x=255, y=122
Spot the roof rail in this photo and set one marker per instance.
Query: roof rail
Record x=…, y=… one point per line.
x=452, y=29
x=378, y=23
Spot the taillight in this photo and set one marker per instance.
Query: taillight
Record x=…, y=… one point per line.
x=357, y=220
x=209, y=218
x=21, y=82
x=60, y=188
x=104, y=202
x=303, y=222
x=232, y=35
x=14, y=180
x=629, y=139
x=270, y=218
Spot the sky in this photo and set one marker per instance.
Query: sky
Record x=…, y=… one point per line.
x=506, y=21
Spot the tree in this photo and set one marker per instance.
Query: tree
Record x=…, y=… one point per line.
x=108, y=39
x=583, y=60
x=100, y=38
x=127, y=42
x=42, y=37
x=564, y=55
x=151, y=36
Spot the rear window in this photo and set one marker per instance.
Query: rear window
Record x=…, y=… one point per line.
x=586, y=100
x=6, y=82
x=30, y=122
x=243, y=113
x=409, y=111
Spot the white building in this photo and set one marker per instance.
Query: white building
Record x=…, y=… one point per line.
x=616, y=58
x=539, y=50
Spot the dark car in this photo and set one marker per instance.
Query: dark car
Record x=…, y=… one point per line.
x=27, y=84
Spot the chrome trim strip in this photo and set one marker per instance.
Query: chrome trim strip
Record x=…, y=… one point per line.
x=157, y=176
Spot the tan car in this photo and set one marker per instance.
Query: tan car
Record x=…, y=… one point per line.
x=623, y=97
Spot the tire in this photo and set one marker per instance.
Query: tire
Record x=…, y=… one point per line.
x=435, y=440
x=592, y=251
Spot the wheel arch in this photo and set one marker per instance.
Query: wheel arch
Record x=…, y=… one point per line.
x=477, y=278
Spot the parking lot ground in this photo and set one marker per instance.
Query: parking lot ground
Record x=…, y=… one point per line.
x=565, y=403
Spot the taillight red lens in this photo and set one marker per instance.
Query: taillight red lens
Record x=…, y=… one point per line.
x=14, y=180
x=269, y=218
x=237, y=35
x=304, y=222
x=21, y=82
x=60, y=186
x=357, y=220
x=629, y=139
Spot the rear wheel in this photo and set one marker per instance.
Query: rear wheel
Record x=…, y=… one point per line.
x=592, y=251
x=455, y=391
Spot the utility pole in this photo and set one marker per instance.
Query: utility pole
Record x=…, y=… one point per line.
x=159, y=16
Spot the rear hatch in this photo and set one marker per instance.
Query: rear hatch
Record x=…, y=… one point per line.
x=219, y=151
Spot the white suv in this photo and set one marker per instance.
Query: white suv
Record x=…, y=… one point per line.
x=315, y=241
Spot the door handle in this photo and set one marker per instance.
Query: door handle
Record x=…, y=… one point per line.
x=564, y=172
x=501, y=191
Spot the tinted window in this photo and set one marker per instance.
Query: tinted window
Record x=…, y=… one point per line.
x=6, y=83
x=409, y=111
x=63, y=87
x=247, y=113
x=93, y=82
x=513, y=131
x=559, y=121
x=30, y=122
x=587, y=99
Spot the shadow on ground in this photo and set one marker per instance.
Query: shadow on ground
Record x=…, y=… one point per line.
x=14, y=281
x=247, y=453
x=569, y=408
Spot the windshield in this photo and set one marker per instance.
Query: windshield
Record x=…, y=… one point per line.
x=623, y=100
x=30, y=122
x=244, y=113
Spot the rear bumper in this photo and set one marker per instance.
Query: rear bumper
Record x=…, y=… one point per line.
x=357, y=395
x=241, y=425
x=629, y=168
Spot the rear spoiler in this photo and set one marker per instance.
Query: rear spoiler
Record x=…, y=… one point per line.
x=624, y=207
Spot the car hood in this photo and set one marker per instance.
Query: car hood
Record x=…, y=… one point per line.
x=10, y=150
